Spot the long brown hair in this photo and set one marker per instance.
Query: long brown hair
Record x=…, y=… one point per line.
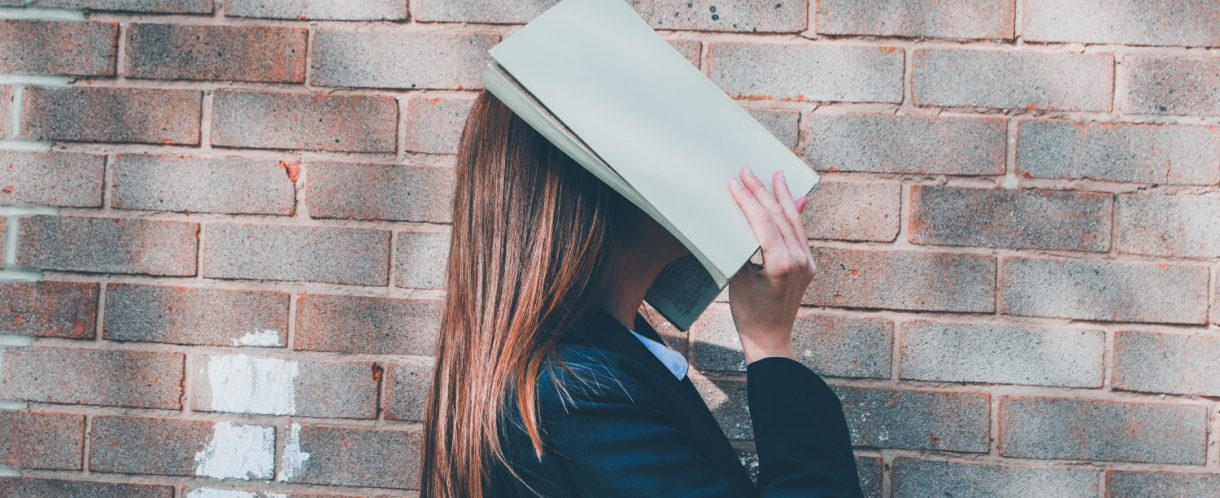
x=532, y=234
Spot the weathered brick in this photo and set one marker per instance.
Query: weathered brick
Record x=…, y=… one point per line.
x=60, y=48
x=349, y=10
x=406, y=391
x=749, y=16
x=373, y=325
x=958, y=19
x=400, y=57
x=1075, y=429
x=1128, y=484
x=830, y=346
x=420, y=259
x=49, y=309
x=1127, y=22
x=1131, y=153
x=176, y=447
x=434, y=124
x=256, y=385
x=906, y=144
x=1013, y=80
x=758, y=70
x=340, y=123
x=314, y=254
x=92, y=114
x=41, y=440
x=728, y=401
x=691, y=49
x=93, y=377
x=1001, y=354
x=380, y=192
x=202, y=185
x=1178, y=226
x=1167, y=363
x=918, y=478
x=1018, y=219
x=29, y=487
x=205, y=492
x=903, y=280
x=782, y=123
x=853, y=211
x=6, y=102
x=151, y=6
x=480, y=11
x=1171, y=85
x=929, y=420
x=338, y=456
x=224, y=53
x=108, y=245
x=868, y=468
x=1104, y=290
x=185, y=315
x=51, y=178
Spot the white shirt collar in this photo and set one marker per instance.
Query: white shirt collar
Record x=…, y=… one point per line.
x=673, y=360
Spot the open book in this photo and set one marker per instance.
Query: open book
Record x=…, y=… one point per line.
x=594, y=79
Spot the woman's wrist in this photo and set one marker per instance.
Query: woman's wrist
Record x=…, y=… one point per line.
x=755, y=353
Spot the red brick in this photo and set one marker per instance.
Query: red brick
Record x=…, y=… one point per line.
x=372, y=325
x=351, y=256
x=151, y=6
x=62, y=179
x=782, y=123
x=1075, y=429
x=84, y=114
x=420, y=259
x=1167, y=363
x=350, y=10
x=876, y=143
x=903, y=280
x=380, y=192
x=1126, y=22
x=1013, y=80
x=206, y=492
x=93, y=377
x=1171, y=85
x=194, y=316
x=400, y=57
x=256, y=385
x=923, y=420
x=758, y=70
x=378, y=458
x=1119, y=152
x=202, y=185
x=42, y=440
x=434, y=124
x=918, y=478
x=60, y=48
x=108, y=245
x=176, y=447
x=407, y=386
x=853, y=211
x=953, y=352
x=957, y=19
x=29, y=487
x=217, y=53
x=1125, y=484
x=340, y=123
x=49, y=309
x=1018, y=219
x=1177, y=226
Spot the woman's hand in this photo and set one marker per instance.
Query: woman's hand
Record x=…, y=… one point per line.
x=764, y=300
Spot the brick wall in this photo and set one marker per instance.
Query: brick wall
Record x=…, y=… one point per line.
x=227, y=219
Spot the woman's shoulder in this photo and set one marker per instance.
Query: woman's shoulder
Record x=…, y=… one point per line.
x=585, y=374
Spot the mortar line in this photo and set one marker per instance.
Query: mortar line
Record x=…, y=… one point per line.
x=290, y=339
x=188, y=377
x=86, y=446
x=108, y=161
x=1012, y=132
x=10, y=241
x=1107, y=360
x=311, y=31
x=401, y=133
x=18, y=94
x=120, y=58
x=993, y=425
x=1018, y=22
x=200, y=240
x=896, y=351
x=887, y=474
x=100, y=326
x=205, y=120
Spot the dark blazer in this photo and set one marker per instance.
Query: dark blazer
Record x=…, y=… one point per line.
x=631, y=428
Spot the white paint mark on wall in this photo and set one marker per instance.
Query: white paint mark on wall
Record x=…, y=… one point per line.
x=238, y=452
x=252, y=385
x=259, y=338
x=294, y=458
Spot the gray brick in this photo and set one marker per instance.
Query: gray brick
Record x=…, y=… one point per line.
x=378, y=458
x=151, y=6
x=407, y=386
x=918, y=478
x=399, y=57
x=764, y=70
x=84, y=49
x=1125, y=22
x=373, y=325
x=340, y=123
x=1018, y=219
x=782, y=123
x=903, y=280
x=93, y=377
x=434, y=124
x=62, y=179
x=958, y=19
x=420, y=259
x=348, y=10
x=906, y=144
x=729, y=403
x=314, y=254
x=481, y=11
x=750, y=16
x=1177, y=226
x=177, y=447
x=216, y=53
x=868, y=468
x=202, y=185
x=49, y=309
x=194, y=316
x=108, y=245
x=30, y=487
x=1127, y=484
x=927, y=420
x=1167, y=363
x=380, y=192
x=1171, y=85
x=32, y=440
x=1002, y=354
x=124, y=115
x=1131, y=153
x=1104, y=290
x=1074, y=429
x=1013, y=80
x=853, y=211
x=257, y=385
x=691, y=49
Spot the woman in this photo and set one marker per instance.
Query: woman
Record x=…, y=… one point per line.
x=541, y=389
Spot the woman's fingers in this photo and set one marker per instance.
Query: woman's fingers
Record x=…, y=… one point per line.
x=784, y=197
x=762, y=222
x=801, y=203
x=767, y=200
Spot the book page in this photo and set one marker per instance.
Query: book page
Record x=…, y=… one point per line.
x=682, y=291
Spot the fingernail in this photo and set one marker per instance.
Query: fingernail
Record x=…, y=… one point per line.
x=735, y=182
x=781, y=175
x=748, y=172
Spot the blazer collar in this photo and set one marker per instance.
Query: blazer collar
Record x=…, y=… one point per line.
x=599, y=329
